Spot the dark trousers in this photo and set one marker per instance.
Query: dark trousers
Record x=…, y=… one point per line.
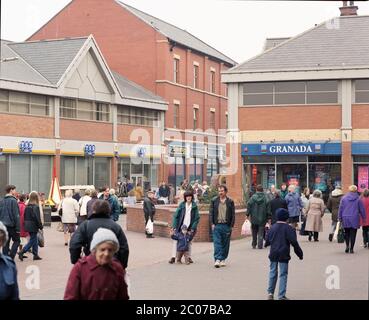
x=15, y=237
x=366, y=234
x=350, y=237
x=257, y=235
x=32, y=243
x=314, y=234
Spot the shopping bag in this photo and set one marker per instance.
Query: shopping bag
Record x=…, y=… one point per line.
x=341, y=235
x=40, y=238
x=150, y=227
x=246, y=228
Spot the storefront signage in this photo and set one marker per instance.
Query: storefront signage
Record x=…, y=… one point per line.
x=363, y=178
x=25, y=146
x=141, y=152
x=290, y=148
x=90, y=150
x=177, y=151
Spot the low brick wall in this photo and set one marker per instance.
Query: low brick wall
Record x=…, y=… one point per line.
x=163, y=220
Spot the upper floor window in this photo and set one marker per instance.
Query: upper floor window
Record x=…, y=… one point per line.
x=212, y=120
x=212, y=81
x=362, y=90
x=84, y=110
x=195, y=118
x=291, y=92
x=176, y=116
x=137, y=116
x=226, y=119
x=24, y=103
x=176, y=70
x=196, y=76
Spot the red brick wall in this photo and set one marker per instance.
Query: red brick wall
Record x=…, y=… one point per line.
x=346, y=168
x=125, y=131
x=28, y=126
x=360, y=116
x=279, y=118
x=136, y=222
x=85, y=130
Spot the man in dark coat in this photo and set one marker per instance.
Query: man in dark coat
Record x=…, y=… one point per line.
x=164, y=191
x=9, y=216
x=113, y=202
x=90, y=204
x=275, y=204
x=84, y=234
x=149, y=211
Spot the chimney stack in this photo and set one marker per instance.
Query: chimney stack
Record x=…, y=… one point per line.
x=348, y=9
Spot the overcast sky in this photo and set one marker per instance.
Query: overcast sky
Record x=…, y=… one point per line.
x=236, y=28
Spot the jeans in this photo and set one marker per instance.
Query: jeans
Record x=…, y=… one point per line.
x=273, y=275
x=257, y=235
x=32, y=243
x=15, y=237
x=350, y=237
x=221, y=240
x=366, y=234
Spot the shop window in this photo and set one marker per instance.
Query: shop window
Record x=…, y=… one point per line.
x=124, y=168
x=259, y=159
x=41, y=173
x=362, y=91
x=20, y=169
x=289, y=159
x=364, y=159
x=324, y=158
x=255, y=174
x=295, y=174
x=196, y=170
x=212, y=168
x=324, y=177
x=67, y=171
x=361, y=176
x=102, y=172
x=4, y=165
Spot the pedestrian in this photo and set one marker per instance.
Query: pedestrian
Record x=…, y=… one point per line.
x=280, y=237
x=164, y=192
x=83, y=206
x=284, y=190
x=171, y=194
x=114, y=206
x=90, y=204
x=197, y=191
x=275, y=204
x=70, y=210
x=149, y=211
x=32, y=224
x=294, y=205
x=314, y=214
x=8, y=271
x=333, y=205
x=98, y=276
x=183, y=240
x=23, y=234
x=271, y=192
x=351, y=207
x=114, y=195
x=100, y=218
x=258, y=212
x=222, y=218
x=365, y=222
x=305, y=196
x=9, y=216
x=187, y=214
x=77, y=195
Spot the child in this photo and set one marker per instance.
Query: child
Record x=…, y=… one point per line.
x=183, y=240
x=8, y=271
x=280, y=237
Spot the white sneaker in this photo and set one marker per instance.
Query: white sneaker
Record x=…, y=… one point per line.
x=217, y=264
x=222, y=263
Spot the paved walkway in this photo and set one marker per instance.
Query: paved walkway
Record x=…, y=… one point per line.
x=245, y=276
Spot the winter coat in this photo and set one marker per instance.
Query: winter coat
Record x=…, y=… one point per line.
x=9, y=212
x=89, y=206
x=365, y=222
x=32, y=219
x=83, y=236
x=351, y=208
x=76, y=197
x=70, y=210
x=275, y=204
x=164, y=191
x=315, y=211
x=179, y=216
x=149, y=209
x=294, y=204
x=22, y=207
x=305, y=202
x=333, y=203
x=258, y=207
x=90, y=281
x=284, y=193
x=280, y=237
x=183, y=240
x=8, y=279
x=83, y=205
x=230, y=214
x=114, y=207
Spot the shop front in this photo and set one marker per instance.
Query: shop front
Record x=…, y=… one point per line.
x=177, y=153
x=312, y=165
x=360, y=153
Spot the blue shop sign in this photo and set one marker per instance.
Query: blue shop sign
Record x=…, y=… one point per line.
x=90, y=150
x=141, y=152
x=279, y=149
x=25, y=146
x=360, y=148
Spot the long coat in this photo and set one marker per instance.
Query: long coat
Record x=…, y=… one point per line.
x=315, y=211
x=351, y=208
x=70, y=210
x=333, y=204
x=365, y=222
x=32, y=219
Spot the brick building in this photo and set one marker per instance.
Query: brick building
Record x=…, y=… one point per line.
x=168, y=61
x=61, y=104
x=299, y=111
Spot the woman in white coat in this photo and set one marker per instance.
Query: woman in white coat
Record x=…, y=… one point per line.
x=70, y=210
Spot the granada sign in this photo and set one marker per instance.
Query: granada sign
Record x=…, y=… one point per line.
x=280, y=149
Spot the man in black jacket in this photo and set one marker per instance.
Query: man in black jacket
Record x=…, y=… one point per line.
x=149, y=211
x=164, y=191
x=222, y=218
x=9, y=216
x=84, y=234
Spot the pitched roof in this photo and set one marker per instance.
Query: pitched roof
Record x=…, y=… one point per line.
x=337, y=43
x=273, y=42
x=51, y=58
x=178, y=35
x=131, y=89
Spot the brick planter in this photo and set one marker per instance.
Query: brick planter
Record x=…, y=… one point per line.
x=163, y=220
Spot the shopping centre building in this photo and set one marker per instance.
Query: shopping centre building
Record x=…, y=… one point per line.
x=299, y=111
x=61, y=104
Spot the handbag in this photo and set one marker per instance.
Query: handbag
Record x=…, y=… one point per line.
x=40, y=238
x=341, y=234
x=246, y=228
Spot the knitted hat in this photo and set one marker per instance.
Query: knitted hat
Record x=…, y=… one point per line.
x=3, y=229
x=282, y=214
x=103, y=235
